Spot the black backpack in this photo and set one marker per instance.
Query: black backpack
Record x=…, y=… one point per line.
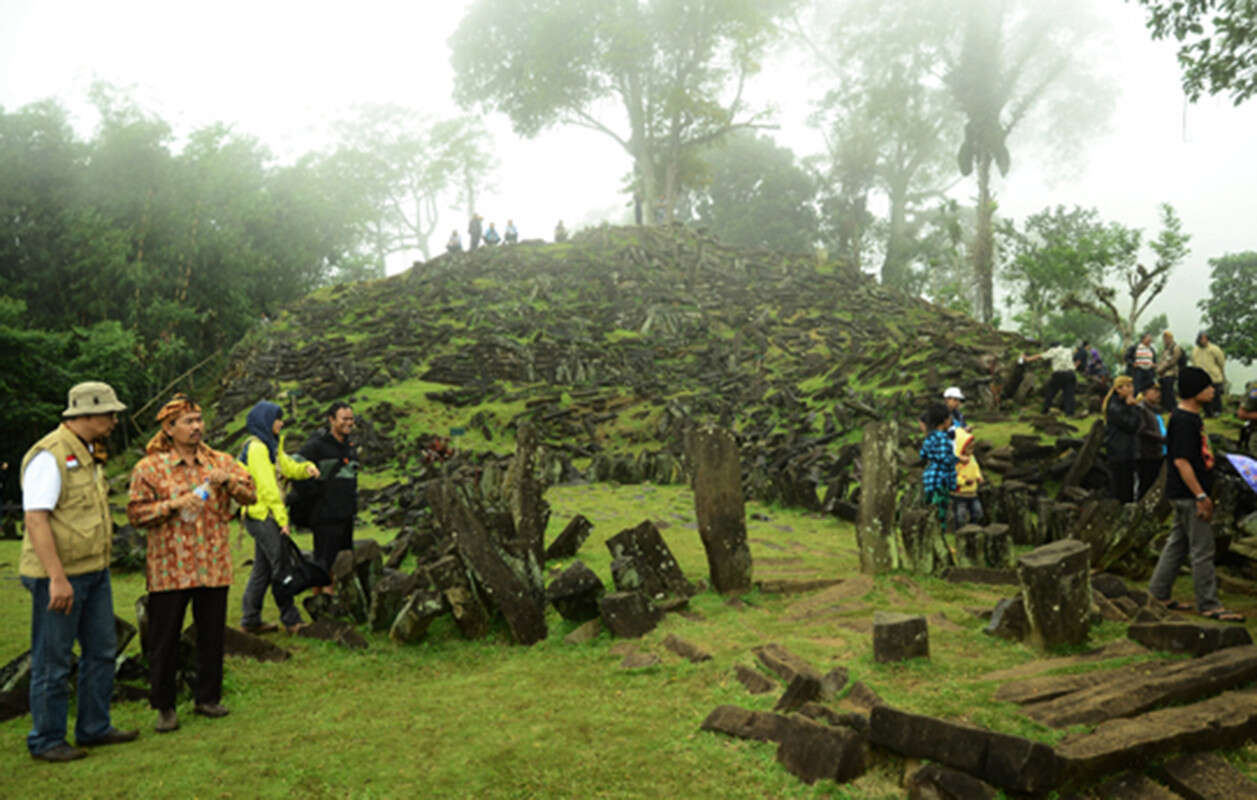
x=296, y=573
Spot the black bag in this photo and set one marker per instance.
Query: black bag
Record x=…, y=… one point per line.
x=301, y=500
x=295, y=572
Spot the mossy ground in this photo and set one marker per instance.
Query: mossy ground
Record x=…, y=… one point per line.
x=451, y=718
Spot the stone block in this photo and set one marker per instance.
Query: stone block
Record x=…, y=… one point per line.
x=783, y=662
x=388, y=598
x=1008, y=762
x=1008, y=620
x=1197, y=638
x=879, y=489
x=754, y=681
x=813, y=752
x=999, y=548
x=419, y=610
x=570, y=540
x=585, y=633
x=971, y=546
x=645, y=556
x=628, y=615
x=1056, y=590
x=936, y=782
x=803, y=689
x=575, y=593
x=1207, y=776
x=898, y=637
x=686, y=650
x=759, y=726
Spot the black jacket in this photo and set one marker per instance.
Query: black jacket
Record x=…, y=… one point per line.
x=338, y=477
x=1121, y=423
x=1151, y=442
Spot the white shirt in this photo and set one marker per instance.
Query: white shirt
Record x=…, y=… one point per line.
x=1062, y=359
x=41, y=482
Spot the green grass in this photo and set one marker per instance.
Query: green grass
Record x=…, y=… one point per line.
x=452, y=718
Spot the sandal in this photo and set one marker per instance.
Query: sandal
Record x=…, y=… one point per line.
x=1222, y=615
x=1175, y=605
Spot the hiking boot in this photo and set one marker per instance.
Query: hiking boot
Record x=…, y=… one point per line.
x=62, y=752
x=112, y=736
x=167, y=721
x=212, y=710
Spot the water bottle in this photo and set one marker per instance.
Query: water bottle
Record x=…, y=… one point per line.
x=189, y=513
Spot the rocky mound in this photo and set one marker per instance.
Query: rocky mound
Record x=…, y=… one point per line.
x=611, y=345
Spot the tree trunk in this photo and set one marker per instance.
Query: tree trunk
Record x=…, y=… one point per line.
x=894, y=272
x=983, y=246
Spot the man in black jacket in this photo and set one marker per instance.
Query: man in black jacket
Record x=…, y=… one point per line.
x=332, y=518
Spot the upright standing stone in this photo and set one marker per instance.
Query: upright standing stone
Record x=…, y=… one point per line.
x=1056, y=588
x=971, y=546
x=719, y=506
x=923, y=549
x=998, y=546
x=523, y=491
x=879, y=487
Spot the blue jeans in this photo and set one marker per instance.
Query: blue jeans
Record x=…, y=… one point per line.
x=90, y=621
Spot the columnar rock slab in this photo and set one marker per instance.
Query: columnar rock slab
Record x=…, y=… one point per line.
x=1056, y=589
x=720, y=508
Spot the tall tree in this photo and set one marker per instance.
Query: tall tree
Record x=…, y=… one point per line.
x=1230, y=310
x=675, y=71
x=1053, y=253
x=1217, y=43
x=1014, y=57
x=402, y=165
x=758, y=196
x=1143, y=284
x=887, y=118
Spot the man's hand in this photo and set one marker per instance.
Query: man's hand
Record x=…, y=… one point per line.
x=219, y=476
x=284, y=530
x=184, y=501
x=1204, y=509
x=60, y=595
x=312, y=470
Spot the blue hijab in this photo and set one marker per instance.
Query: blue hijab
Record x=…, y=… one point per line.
x=261, y=423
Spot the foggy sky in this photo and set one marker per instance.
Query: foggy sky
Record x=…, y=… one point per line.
x=284, y=70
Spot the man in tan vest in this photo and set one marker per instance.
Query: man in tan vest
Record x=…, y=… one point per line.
x=65, y=566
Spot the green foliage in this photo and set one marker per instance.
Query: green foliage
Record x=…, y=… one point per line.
x=1230, y=310
x=127, y=260
x=1054, y=252
x=676, y=68
x=1217, y=43
x=757, y=196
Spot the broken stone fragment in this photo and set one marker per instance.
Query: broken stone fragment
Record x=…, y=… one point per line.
x=628, y=615
x=898, y=637
x=575, y=593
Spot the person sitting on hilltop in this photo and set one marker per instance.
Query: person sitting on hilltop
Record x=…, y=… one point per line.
x=512, y=233
x=560, y=233
x=491, y=236
x=455, y=243
x=966, y=507
x=938, y=452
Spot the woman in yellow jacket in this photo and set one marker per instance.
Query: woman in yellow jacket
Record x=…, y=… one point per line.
x=267, y=519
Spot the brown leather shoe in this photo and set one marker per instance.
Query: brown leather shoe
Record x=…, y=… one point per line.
x=261, y=627
x=114, y=736
x=213, y=710
x=62, y=752
x=167, y=721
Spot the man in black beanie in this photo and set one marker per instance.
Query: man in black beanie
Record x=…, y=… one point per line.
x=1188, y=480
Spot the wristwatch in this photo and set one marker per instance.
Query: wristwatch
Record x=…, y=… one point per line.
x=1201, y=496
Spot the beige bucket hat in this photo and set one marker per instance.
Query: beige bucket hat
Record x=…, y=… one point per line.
x=92, y=397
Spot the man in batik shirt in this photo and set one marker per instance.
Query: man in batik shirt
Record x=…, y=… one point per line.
x=188, y=555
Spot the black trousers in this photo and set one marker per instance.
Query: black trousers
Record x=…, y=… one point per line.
x=165, y=623
x=330, y=537
x=1143, y=378
x=1066, y=383
x=1123, y=474
x=1169, y=393
x=1148, y=469
x=1215, y=405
